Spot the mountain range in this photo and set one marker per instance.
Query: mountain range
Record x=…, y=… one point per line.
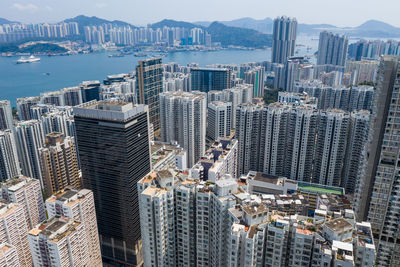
x=248, y=31
x=84, y=21
x=371, y=28
x=6, y=21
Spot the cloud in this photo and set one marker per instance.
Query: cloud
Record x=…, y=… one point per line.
x=27, y=7
x=101, y=5
x=48, y=8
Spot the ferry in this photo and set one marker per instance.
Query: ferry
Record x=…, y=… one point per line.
x=28, y=59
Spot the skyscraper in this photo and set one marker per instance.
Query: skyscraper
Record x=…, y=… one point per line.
x=9, y=163
x=284, y=39
x=207, y=79
x=183, y=120
x=27, y=193
x=332, y=49
x=219, y=120
x=149, y=76
x=113, y=141
x=78, y=205
x=6, y=119
x=59, y=163
x=29, y=139
x=377, y=194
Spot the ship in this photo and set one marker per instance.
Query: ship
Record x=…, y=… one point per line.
x=28, y=59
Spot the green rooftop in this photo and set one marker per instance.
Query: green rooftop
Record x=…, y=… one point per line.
x=320, y=189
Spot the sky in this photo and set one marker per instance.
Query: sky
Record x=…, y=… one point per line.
x=142, y=12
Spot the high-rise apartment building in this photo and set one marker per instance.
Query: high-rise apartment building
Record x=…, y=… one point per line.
x=332, y=49
x=300, y=142
x=9, y=163
x=302, y=126
x=8, y=256
x=330, y=153
x=59, y=163
x=219, y=120
x=362, y=71
x=24, y=107
x=283, y=39
x=59, y=242
x=27, y=193
x=218, y=163
x=13, y=230
x=247, y=132
x=183, y=120
x=377, y=194
x=255, y=76
x=6, y=118
x=207, y=79
x=114, y=150
x=78, y=205
x=356, y=144
x=29, y=139
x=72, y=96
x=187, y=222
x=90, y=90
x=149, y=76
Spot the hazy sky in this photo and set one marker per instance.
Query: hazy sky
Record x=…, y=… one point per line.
x=142, y=12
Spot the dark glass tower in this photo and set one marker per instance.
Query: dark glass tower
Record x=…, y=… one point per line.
x=207, y=79
x=114, y=151
x=149, y=85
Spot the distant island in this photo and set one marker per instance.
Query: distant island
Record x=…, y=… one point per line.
x=37, y=48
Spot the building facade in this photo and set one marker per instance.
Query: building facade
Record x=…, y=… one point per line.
x=149, y=75
x=59, y=163
x=6, y=118
x=183, y=120
x=207, y=79
x=283, y=39
x=113, y=141
x=332, y=49
x=29, y=139
x=377, y=191
x=78, y=205
x=9, y=163
x=27, y=193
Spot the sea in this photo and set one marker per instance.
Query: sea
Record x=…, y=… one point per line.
x=56, y=72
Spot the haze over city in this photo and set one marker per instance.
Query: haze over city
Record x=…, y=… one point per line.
x=340, y=12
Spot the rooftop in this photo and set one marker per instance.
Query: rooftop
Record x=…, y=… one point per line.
x=4, y=247
x=115, y=110
x=338, y=224
x=56, y=228
x=319, y=189
x=17, y=183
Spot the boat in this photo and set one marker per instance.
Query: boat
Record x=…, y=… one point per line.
x=140, y=54
x=116, y=55
x=28, y=59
